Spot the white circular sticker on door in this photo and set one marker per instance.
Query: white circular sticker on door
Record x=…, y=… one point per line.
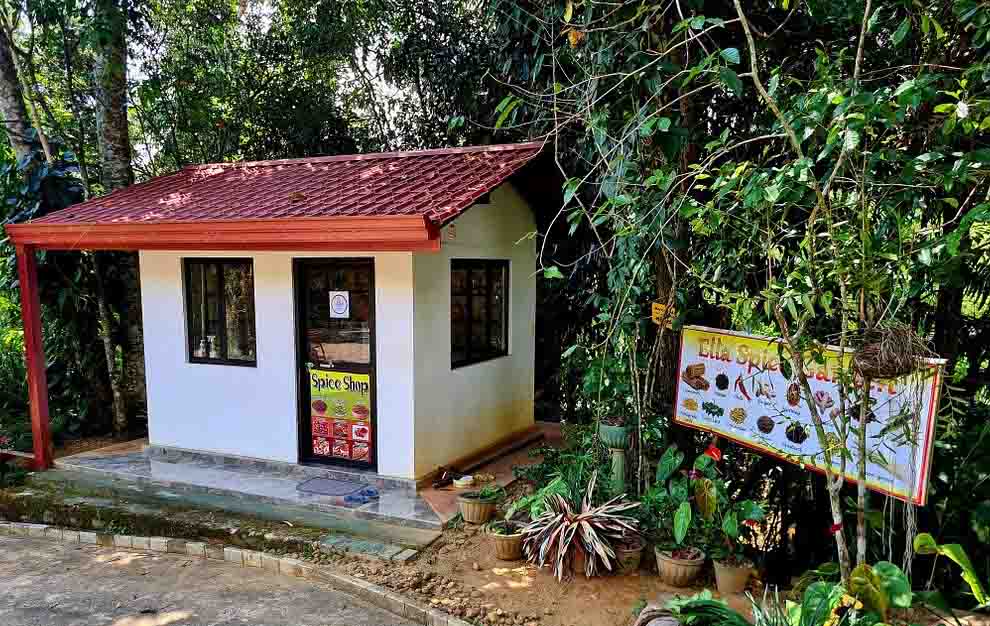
x=340, y=304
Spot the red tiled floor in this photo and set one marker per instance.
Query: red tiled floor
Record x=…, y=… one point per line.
x=444, y=501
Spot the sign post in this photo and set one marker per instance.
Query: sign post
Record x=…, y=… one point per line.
x=733, y=385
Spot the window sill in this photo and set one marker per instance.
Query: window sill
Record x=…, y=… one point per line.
x=466, y=364
x=234, y=362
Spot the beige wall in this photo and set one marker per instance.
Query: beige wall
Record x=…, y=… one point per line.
x=461, y=411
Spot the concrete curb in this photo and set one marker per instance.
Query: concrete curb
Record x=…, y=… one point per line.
x=371, y=593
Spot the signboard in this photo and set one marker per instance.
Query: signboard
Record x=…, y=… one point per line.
x=341, y=415
x=660, y=315
x=732, y=384
x=340, y=305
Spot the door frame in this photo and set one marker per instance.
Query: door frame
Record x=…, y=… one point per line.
x=303, y=413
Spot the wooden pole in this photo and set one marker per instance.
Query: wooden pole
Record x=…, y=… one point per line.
x=34, y=351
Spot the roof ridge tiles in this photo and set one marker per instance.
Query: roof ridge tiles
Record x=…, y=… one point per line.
x=372, y=156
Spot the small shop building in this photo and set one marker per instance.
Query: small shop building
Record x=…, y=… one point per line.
x=373, y=312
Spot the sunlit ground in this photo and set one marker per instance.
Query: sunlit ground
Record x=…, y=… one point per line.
x=159, y=619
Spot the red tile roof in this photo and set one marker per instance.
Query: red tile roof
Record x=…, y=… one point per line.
x=436, y=185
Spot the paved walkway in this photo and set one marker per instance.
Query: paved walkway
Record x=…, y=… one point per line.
x=43, y=583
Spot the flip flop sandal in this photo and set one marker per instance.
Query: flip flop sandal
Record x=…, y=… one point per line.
x=369, y=492
x=356, y=499
x=446, y=479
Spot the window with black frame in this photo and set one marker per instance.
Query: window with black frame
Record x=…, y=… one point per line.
x=220, y=311
x=479, y=310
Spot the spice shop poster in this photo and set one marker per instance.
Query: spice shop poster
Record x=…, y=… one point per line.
x=732, y=384
x=341, y=417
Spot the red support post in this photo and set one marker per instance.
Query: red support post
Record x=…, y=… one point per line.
x=34, y=349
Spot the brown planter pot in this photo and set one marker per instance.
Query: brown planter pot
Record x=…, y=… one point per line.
x=731, y=578
x=508, y=547
x=629, y=558
x=678, y=572
x=476, y=510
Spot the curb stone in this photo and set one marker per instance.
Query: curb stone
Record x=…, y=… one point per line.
x=373, y=594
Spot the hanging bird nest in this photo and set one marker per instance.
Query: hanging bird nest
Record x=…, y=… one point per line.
x=892, y=350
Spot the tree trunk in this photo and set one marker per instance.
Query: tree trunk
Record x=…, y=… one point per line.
x=110, y=80
x=12, y=101
x=667, y=261
x=106, y=335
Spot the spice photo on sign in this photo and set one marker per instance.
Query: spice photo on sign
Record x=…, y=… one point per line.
x=340, y=409
x=734, y=385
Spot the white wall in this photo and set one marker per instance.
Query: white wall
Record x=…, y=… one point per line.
x=253, y=411
x=461, y=411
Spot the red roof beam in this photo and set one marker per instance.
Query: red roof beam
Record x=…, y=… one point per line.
x=352, y=234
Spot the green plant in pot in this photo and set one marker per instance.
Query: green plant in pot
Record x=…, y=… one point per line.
x=679, y=537
x=629, y=553
x=732, y=568
x=579, y=536
x=477, y=507
x=506, y=536
x=606, y=388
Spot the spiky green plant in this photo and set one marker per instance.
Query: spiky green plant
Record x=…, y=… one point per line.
x=561, y=532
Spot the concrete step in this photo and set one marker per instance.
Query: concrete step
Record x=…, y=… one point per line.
x=392, y=519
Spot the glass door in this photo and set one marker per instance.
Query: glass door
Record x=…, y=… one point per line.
x=336, y=340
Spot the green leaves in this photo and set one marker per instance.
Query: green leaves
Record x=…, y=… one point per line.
x=731, y=55
x=552, y=272
x=749, y=510
x=504, y=109
x=866, y=585
x=669, y=462
x=902, y=31
x=881, y=587
x=731, y=80
x=705, y=498
x=730, y=525
x=924, y=543
x=682, y=521
x=895, y=584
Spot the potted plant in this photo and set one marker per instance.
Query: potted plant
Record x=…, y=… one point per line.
x=629, y=553
x=679, y=557
x=732, y=568
x=613, y=431
x=572, y=537
x=477, y=507
x=506, y=539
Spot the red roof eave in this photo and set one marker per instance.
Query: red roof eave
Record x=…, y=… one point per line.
x=336, y=233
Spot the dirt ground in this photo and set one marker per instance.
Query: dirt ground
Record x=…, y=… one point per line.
x=460, y=575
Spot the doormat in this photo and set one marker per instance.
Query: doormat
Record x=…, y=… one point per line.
x=329, y=487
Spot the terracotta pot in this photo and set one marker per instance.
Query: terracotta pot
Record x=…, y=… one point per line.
x=508, y=547
x=629, y=557
x=579, y=561
x=731, y=578
x=678, y=572
x=615, y=437
x=476, y=510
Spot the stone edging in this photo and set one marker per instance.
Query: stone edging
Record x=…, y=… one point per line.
x=374, y=594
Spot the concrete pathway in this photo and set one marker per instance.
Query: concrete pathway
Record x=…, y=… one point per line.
x=51, y=584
